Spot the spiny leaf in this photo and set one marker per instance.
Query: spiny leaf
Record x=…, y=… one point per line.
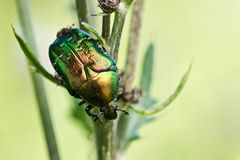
x=165, y=104
x=33, y=59
x=79, y=114
x=147, y=69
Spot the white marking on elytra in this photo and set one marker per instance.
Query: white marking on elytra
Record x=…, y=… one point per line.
x=70, y=38
x=61, y=45
x=81, y=40
x=68, y=58
x=55, y=62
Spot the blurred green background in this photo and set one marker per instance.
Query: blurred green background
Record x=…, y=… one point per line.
x=202, y=124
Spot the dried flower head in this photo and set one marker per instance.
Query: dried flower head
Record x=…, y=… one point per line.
x=108, y=6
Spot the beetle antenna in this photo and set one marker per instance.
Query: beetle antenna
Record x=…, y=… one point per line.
x=121, y=110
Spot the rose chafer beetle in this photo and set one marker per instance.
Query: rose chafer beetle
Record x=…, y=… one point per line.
x=87, y=71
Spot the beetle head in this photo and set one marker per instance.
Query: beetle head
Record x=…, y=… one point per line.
x=110, y=113
x=64, y=31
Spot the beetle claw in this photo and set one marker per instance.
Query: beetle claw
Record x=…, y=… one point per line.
x=81, y=103
x=59, y=79
x=124, y=111
x=96, y=115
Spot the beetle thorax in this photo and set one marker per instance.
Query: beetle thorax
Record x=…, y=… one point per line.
x=63, y=31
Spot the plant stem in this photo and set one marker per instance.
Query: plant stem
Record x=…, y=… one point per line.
x=117, y=29
x=38, y=85
x=92, y=9
x=106, y=27
x=104, y=133
x=133, y=43
x=130, y=67
x=81, y=6
x=105, y=141
x=121, y=135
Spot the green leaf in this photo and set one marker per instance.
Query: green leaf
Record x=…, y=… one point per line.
x=79, y=114
x=147, y=69
x=92, y=30
x=166, y=103
x=148, y=103
x=136, y=121
x=33, y=59
x=128, y=3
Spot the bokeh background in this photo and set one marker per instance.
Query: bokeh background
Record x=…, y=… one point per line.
x=202, y=124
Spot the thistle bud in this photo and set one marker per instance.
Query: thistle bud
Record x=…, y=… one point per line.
x=108, y=6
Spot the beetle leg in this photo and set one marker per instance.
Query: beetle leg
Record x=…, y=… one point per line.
x=88, y=110
x=81, y=102
x=96, y=115
x=116, y=107
x=124, y=111
x=59, y=79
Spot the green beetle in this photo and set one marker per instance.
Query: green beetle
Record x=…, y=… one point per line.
x=86, y=70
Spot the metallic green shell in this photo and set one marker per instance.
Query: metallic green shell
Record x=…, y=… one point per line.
x=100, y=90
x=87, y=70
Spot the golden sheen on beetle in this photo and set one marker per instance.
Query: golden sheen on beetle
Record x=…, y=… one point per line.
x=86, y=70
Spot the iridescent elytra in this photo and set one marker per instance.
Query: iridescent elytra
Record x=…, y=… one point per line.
x=86, y=69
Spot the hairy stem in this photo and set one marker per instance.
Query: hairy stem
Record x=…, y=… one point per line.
x=81, y=6
x=130, y=67
x=133, y=43
x=38, y=85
